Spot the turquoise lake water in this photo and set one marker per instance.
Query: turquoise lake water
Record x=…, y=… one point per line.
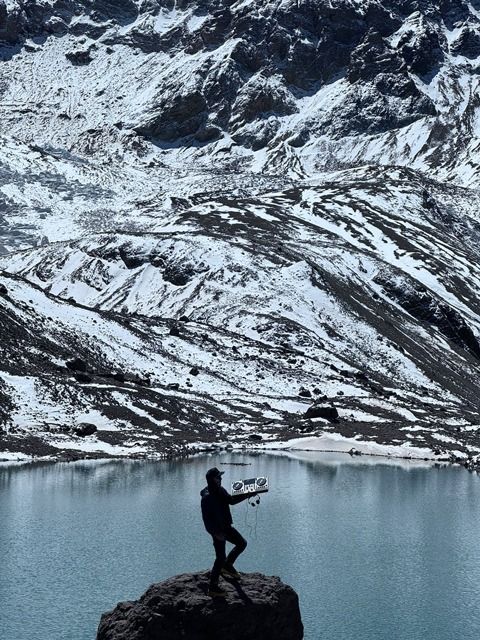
x=375, y=551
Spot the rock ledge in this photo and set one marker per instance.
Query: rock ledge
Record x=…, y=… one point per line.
x=257, y=608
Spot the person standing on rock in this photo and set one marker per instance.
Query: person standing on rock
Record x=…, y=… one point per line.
x=218, y=521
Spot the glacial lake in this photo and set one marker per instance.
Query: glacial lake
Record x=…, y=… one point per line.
x=375, y=551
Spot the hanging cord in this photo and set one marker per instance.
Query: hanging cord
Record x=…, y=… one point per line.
x=253, y=501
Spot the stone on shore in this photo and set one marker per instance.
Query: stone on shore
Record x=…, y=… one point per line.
x=258, y=607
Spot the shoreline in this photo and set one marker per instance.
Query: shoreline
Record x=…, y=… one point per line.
x=327, y=443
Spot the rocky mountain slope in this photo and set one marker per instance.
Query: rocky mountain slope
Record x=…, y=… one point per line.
x=293, y=86
x=242, y=219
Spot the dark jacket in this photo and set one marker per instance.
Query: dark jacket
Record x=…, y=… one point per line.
x=216, y=503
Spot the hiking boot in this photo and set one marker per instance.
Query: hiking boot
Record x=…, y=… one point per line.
x=229, y=571
x=215, y=591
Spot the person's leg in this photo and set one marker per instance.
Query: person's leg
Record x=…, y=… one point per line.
x=219, y=546
x=240, y=543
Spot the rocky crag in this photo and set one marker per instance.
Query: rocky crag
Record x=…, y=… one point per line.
x=256, y=608
x=243, y=221
x=302, y=80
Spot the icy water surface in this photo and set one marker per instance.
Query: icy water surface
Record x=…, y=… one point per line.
x=375, y=551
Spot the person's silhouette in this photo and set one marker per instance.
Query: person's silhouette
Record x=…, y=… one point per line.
x=218, y=521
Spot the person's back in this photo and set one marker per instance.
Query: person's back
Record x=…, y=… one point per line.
x=215, y=509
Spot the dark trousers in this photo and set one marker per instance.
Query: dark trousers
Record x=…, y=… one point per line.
x=236, y=538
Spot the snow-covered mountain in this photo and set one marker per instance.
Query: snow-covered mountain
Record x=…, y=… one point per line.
x=237, y=216
x=286, y=86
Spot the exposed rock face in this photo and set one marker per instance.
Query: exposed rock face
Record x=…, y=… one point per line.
x=423, y=306
x=467, y=44
x=78, y=57
x=257, y=608
x=177, y=116
x=241, y=70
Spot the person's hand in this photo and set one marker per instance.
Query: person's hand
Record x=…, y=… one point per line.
x=219, y=536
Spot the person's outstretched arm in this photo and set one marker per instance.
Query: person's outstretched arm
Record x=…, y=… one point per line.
x=239, y=498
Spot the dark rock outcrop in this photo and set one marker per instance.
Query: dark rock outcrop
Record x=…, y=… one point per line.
x=424, y=306
x=420, y=46
x=178, y=275
x=77, y=364
x=257, y=608
x=372, y=57
x=305, y=393
x=85, y=429
x=79, y=58
x=178, y=116
x=467, y=44
x=83, y=377
x=174, y=331
x=319, y=411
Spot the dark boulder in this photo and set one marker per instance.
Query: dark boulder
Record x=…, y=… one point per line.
x=77, y=364
x=84, y=429
x=360, y=375
x=130, y=259
x=376, y=388
x=83, y=377
x=3, y=291
x=78, y=58
x=305, y=393
x=258, y=608
x=321, y=411
x=179, y=275
x=428, y=201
